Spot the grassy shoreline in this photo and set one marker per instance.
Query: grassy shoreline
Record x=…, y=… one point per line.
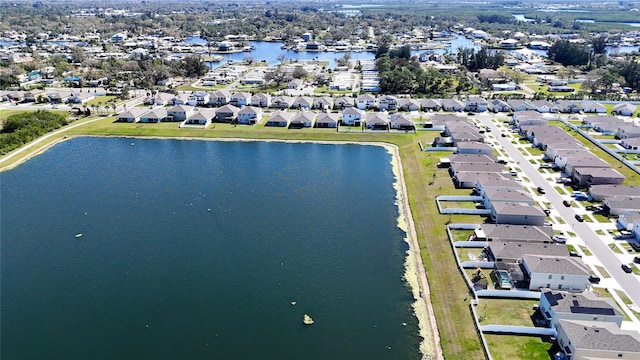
x=458, y=337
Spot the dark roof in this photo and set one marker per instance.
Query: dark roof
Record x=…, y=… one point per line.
x=599, y=335
x=517, y=232
x=584, y=303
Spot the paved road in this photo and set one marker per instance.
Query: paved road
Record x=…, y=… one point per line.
x=628, y=282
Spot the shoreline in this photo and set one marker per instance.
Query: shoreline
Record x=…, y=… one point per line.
x=415, y=273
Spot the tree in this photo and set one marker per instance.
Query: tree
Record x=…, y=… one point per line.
x=248, y=59
x=193, y=66
x=568, y=53
x=599, y=45
x=299, y=72
x=277, y=75
x=282, y=58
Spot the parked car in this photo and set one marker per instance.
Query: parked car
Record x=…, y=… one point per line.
x=566, y=203
x=559, y=239
x=548, y=223
x=594, y=279
x=503, y=135
x=626, y=268
x=541, y=190
x=636, y=259
x=545, y=166
x=579, y=217
x=590, y=207
x=547, y=211
x=574, y=254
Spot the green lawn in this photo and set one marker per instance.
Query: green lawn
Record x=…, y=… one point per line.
x=625, y=299
x=602, y=271
x=585, y=250
x=615, y=248
x=506, y=311
x=508, y=347
x=100, y=100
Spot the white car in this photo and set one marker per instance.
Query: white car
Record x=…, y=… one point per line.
x=559, y=239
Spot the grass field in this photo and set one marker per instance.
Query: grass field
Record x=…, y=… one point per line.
x=459, y=339
x=506, y=311
x=507, y=347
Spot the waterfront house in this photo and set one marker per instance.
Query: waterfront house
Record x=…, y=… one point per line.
x=240, y=99
x=486, y=181
x=517, y=213
x=227, y=113
x=511, y=252
x=179, y=112
x=249, y=115
x=402, y=122
x=302, y=119
x=131, y=116
x=201, y=117
x=365, y=101
x=279, y=118
x=479, y=167
x=513, y=233
x=261, y=100
x=327, y=120
x=473, y=147
x=472, y=158
x=556, y=272
x=377, y=121
x=352, y=116
x=495, y=196
x=579, y=339
x=562, y=305
x=624, y=109
x=154, y=116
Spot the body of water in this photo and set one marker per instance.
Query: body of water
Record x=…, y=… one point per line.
x=117, y=248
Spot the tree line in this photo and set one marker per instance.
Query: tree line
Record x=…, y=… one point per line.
x=23, y=127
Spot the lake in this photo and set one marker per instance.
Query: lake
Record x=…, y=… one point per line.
x=120, y=248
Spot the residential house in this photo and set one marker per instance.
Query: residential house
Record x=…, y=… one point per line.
x=628, y=131
x=556, y=272
x=627, y=219
x=377, y=121
x=402, y=122
x=624, y=109
x=180, y=99
x=619, y=205
x=513, y=233
x=201, y=117
x=279, y=118
x=596, y=340
x=607, y=125
x=343, y=103
x=154, y=116
x=327, y=120
x=586, y=306
x=36, y=95
x=78, y=98
x=497, y=105
x=302, y=119
x=388, y=103
x=179, y=112
x=323, y=103
x=201, y=98
x=511, y=251
x=249, y=115
x=302, y=102
x=352, y=116
x=476, y=104
x=495, y=196
x=568, y=107
x=487, y=181
x=466, y=177
x=516, y=213
x=630, y=143
x=473, y=167
x=593, y=107
x=472, y=158
x=585, y=176
x=473, y=147
x=161, y=99
x=281, y=102
x=430, y=105
x=227, y=113
x=240, y=99
x=523, y=118
x=220, y=97
x=520, y=105
x=131, y=116
x=365, y=102
x=261, y=100
x=451, y=105
x=408, y=105
x=544, y=106
x=295, y=84
x=601, y=192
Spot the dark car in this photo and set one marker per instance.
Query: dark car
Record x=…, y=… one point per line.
x=636, y=259
x=590, y=208
x=626, y=268
x=594, y=279
x=566, y=203
x=541, y=190
x=503, y=135
x=579, y=217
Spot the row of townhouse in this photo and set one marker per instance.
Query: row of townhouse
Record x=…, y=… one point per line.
x=51, y=96
x=252, y=115
x=620, y=200
x=571, y=156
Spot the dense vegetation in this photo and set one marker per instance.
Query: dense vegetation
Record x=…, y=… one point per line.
x=569, y=53
x=21, y=128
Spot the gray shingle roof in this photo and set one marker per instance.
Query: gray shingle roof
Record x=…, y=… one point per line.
x=546, y=264
x=595, y=335
x=584, y=303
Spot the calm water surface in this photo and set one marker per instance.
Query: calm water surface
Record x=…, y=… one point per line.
x=196, y=249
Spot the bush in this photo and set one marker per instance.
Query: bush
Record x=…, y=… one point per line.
x=21, y=128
